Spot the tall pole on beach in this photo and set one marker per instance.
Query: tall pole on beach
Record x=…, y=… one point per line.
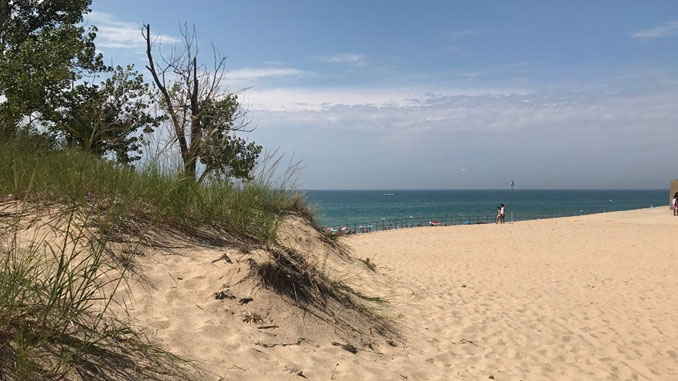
x=513, y=183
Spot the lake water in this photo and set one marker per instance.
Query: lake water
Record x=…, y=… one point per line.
x=401, y=208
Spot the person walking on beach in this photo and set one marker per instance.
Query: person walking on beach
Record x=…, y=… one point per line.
x=675, y=204
x=502, y=212
x=496, y=220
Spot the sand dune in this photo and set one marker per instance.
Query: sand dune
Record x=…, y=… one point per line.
x=591, y=297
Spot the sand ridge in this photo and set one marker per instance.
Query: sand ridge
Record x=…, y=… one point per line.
x=590, y=297
x=250, y=333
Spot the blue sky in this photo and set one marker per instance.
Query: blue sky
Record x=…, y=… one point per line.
x=440, y=94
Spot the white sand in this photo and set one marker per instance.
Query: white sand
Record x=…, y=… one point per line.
x=592, y=297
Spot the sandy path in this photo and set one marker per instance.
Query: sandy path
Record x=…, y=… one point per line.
x=592, y=297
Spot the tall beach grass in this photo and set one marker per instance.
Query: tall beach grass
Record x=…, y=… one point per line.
x=30, y=171
x=55, y=300
x=55, y=295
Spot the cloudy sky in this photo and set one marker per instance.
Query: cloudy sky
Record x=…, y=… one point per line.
x=440, y=94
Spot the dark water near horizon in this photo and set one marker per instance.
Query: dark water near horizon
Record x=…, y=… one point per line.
x=400, y=208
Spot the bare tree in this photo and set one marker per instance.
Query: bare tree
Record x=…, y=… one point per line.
x=204, y=118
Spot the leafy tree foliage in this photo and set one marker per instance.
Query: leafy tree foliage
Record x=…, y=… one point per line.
x=203, y=118
x=224, y=154
x=105, y=119
x=43, y=51
x=49, y=70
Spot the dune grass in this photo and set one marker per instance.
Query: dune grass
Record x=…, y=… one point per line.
x=369, y=264
x=55, y=296
x=31, y=171
x=55, y=299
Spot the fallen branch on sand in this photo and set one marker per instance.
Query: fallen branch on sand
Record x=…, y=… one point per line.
x=464, y=341
x=265, y=345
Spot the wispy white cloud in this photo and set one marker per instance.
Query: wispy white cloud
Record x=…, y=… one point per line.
x=591, y=132
x=249, y=77
x=542, y=138
x=667, y=29
x=456, y=34
x=256, y=73
x=345, y=58
x=471, y=74
x=403, y=112
x=116, y=34
x=323, y=99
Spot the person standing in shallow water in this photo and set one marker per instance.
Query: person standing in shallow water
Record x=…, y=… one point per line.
x=502, y=213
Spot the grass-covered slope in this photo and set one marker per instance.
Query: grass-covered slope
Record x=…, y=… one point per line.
x=74, y=227
x=57, y=287
x=57, y=283
x=30, y=171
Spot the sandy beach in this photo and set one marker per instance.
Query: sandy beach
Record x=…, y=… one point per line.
x=580, y=298
x=590, y=297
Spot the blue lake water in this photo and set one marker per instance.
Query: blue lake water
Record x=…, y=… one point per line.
x=397, y=208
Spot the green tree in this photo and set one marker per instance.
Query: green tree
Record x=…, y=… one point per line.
x=108, y=118
x=52, y=78
x=44, y=49
x=203, y=118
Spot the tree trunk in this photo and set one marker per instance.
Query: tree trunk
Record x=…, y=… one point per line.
x=196, y=133
x=186, y=155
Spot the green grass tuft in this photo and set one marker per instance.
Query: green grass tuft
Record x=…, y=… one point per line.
x=55, y=298
x=370, y=264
